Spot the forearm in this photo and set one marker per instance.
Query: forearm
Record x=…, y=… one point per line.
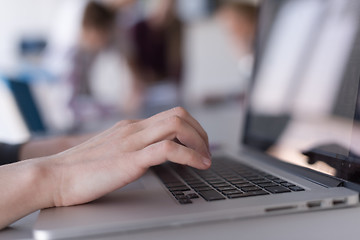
x=25, y=187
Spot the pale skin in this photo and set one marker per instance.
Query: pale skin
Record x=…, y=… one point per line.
x=102, y=164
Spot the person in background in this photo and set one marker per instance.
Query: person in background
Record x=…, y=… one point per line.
x=157, y=47
x=97, y=27
x=101, y=164
x=240, y=21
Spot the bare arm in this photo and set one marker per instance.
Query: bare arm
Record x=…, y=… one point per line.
x=102, y=164
x=23, y=190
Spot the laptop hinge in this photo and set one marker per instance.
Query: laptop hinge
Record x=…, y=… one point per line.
x=317, y=177
x=307, y=173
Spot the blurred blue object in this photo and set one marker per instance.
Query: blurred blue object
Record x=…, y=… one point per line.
x=27, y=105
x=32, y=46
x=31, y=51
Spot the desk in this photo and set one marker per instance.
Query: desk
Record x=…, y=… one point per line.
x=333, y=224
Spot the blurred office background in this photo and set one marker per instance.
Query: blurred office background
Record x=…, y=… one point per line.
x=65, y=64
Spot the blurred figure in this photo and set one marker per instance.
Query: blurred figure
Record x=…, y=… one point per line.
x=95, y=35
x=240, y=20
x=219, y=53
x=157, y=51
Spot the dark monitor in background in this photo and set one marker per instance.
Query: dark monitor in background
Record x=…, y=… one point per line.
x=27, y=105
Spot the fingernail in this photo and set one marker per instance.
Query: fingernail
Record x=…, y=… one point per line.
x=207, y=161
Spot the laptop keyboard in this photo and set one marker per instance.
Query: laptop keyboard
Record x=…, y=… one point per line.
x=226, y=179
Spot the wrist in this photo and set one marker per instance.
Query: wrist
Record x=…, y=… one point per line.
x=42, y=177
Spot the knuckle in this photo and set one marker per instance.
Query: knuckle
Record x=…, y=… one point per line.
x=127, y=122
x=125, y=145
x=128, y=128
x=123, y=123
x=167, y=146
x=175, y=122
x=180, y=111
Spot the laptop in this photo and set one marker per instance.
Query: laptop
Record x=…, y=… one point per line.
x=299, y=147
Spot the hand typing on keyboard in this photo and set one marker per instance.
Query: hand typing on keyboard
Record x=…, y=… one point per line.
x=226, y=179
x=102, y=164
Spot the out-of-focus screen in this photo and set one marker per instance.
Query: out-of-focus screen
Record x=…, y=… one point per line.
x=304, y=104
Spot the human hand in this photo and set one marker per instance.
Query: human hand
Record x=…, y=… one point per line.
x=122, y=154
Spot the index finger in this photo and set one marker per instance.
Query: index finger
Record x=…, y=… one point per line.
x=181, y=112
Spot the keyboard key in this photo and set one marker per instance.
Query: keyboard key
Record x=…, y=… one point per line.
x=278, y=180
x=177, y=193
x=236, y=195
x=231, y=192
x=277, y=189
x=250, y=189
x=218, y=185
x=183, y=188
x=199, y=185
x=270, y=184
x=194, y=182
x=181, y=197
x=244, y=185
x=216, y=181
x=257, y=193
x=263, y=180
x=211, y=195
x=234, y=179
x=226, y=188
x=192, y=196
x=296, y=189
x=209, y=177
x=239, y=181
x=185, y=201
x=229, y=176
x=271, y=177
x=287, y=184
x=176, y=184
x=239, y=195
x=203, y=189
x=253, y=177
x=189, y=179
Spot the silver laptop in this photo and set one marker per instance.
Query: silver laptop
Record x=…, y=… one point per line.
x=299, y=146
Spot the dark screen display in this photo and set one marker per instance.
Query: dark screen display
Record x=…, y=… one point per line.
x=304, y=106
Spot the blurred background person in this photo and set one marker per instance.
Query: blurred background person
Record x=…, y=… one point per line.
x=240, y=20
x=96, y=32
x=157, y=56
x=219, y=53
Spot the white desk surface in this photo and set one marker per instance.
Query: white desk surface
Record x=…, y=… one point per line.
x=222, y=125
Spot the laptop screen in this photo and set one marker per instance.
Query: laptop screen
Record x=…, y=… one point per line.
x=304, y=106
